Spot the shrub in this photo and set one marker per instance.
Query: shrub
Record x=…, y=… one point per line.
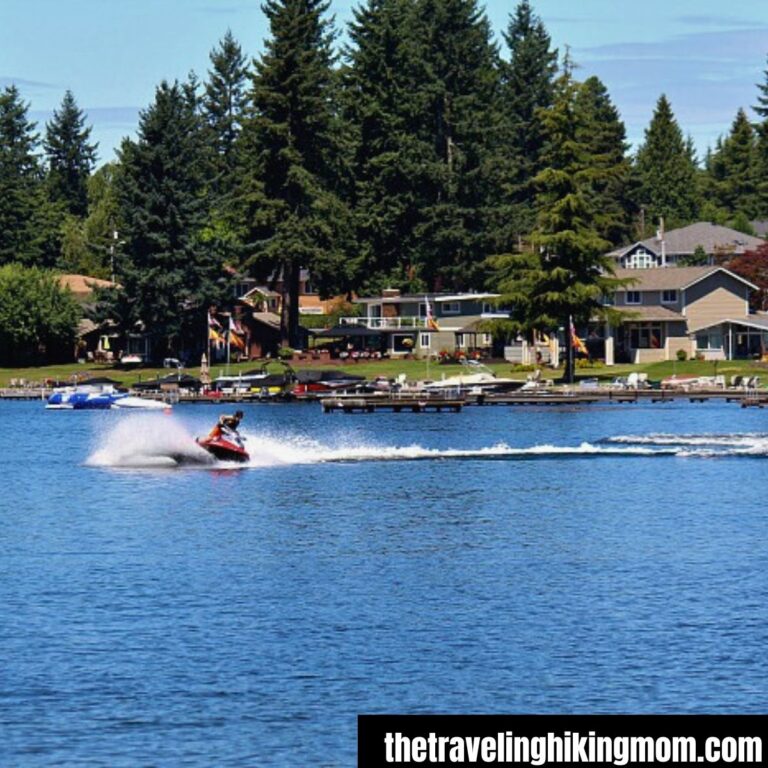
x=682, y=355
x=285, y=353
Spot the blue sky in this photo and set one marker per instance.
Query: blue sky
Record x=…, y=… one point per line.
x=705, y=55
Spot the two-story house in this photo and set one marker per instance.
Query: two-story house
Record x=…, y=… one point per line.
x=670, y=249
x=700, y=310
x=422, y=324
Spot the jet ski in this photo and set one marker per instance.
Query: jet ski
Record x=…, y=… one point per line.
x=228, y=446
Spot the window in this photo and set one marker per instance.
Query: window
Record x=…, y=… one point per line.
x=634, y=297
x=669, y=297
x=488, y=308
x=460, y=340
x=711, y=340
x=640, y=260
x=450, y=307
x=645, y=336
x=486, y=339
x=423, y=309
x=424, y=340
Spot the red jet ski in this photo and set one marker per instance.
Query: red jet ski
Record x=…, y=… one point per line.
x=227, y=446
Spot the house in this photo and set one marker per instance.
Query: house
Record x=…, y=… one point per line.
x=423, y=324
x=267, y=297
x=703, y=311
x=670, y=249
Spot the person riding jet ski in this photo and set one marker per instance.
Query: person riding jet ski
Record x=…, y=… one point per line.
x=224, y=441
x=226, y=422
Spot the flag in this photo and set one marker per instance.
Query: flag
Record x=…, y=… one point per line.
x=212, y=321
x=576, y=342
x=234, y=339
x=431, y=322
x=213, y=334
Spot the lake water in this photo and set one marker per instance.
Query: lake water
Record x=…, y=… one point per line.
x=603, y=559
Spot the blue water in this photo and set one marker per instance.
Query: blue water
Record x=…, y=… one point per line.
x=371, y=563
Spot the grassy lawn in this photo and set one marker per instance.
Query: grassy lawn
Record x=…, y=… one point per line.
x=414, y=369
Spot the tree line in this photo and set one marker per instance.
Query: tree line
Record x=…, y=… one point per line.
x=419, y=155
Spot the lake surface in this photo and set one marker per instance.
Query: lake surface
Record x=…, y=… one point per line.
x=501, y=560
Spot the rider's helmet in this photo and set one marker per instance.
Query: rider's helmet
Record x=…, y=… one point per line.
x=238, y=414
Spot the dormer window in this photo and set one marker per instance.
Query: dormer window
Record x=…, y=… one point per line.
x=669, y=297
x=640, y=260
x=634, y=297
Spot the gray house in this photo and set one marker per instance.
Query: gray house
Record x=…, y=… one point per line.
x=667, y=249
x=399, y=324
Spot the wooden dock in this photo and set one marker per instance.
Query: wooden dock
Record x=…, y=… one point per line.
x=397, y=404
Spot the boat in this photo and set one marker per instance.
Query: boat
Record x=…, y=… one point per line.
x=102, y=397
x=226, y=446
x=475, y=379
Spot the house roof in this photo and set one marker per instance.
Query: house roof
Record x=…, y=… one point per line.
x=671, y=278
x=83, y=285
x=641, y=314
x=760, y=322
x=712, y=238
x=432, y=297
x=267, y=318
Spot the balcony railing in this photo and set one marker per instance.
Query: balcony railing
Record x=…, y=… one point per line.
x=384, y=323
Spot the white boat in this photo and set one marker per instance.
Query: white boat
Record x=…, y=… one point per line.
x=91, y=397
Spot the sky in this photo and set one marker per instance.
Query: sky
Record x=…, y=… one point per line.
x=706, y=55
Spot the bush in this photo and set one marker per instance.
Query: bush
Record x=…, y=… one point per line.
x=681, y=355
x=38, y=319
x=285, y=353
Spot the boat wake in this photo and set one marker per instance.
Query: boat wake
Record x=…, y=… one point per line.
x=154, y=441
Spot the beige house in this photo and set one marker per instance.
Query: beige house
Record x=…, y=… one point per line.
x=699, y=310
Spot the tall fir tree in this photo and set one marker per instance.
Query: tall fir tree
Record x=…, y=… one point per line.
x=289, y=178
x=666, y=171
x=20, y=181
x=70, y=157
x=527, y=86
x=601, y=131
x=224, y=106
x=733, y=183
x=167, y=276
x=462, y=123
x=383, y=107
x=566, y=274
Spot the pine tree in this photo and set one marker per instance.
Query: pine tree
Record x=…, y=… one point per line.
x=602, y=132
x=224, y=105
x=289, y=179
x=20, y=181
x=666, y=171
x=527, y=85
x=462, y=123
x=70, y=156
x=167, y=276
x=566, y=274
x=383, y=107
x=733, y=170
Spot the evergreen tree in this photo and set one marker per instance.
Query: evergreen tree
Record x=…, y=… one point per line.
x=383, y=107
x=224, y=105
x=733, y=170
x=462, y=123
x=528, y=85
x=566, y=274
x=70, y=157
x=289, y=180
x=666, y=170
x=601, y=131
x=167, y=276
x=20, y=181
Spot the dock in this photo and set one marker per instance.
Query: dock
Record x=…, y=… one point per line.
x=396, y=404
